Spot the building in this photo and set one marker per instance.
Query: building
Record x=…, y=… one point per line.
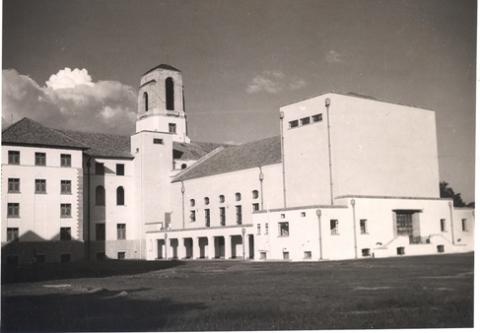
x=348, y=177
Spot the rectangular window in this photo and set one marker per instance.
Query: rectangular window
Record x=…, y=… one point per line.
x=207, y=217
x=172, y=128
x=400, y=251
x=121, y=231
x=283, y=229
x=263, y=255
x=293, y=123
x=40, y=186
x=66, y=160
x=192, y=216
x=12, y=234
x=100, y=231
x=13, y=209
x=334, y=227
x=305, y=121
x=99, y=169
x=40, y=159
x=266, y=228
x=363, y=226
x=307, y=255
x=365, y=252
x=443, y=225
x=255, y=207
x=259, y=229
x=238, y=213
x=65, y=187
x=222, y=216
x=464, y=224
x=286, y=255
x=13, y=185
x=317, y=117
x=405, y=224
x=65, y=233
x=65, y=210
x=13, y=157
x=158, y=141
x=121, y=255
x=120, y=170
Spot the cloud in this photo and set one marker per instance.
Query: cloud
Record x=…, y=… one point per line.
x=333, y=56
x=70, y=99
x=273, y=82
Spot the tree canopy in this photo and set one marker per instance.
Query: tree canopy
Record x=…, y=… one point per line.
x=447, y=192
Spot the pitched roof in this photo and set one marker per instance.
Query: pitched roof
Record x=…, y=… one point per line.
x=163, y=66
x=193, y=150
x=249, y=155
x=29, y=132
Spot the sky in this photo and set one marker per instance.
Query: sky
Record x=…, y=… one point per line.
x=77, y=64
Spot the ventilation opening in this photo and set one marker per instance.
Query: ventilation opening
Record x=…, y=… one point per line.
x=366, y=252
x=400, y=251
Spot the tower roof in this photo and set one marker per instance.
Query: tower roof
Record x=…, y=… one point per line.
x=162, y=66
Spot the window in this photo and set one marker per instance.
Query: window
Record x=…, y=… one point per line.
x=158, y=141
x=238, y=196
x=440, y=248
x=303, y=214
x=334, y=227
x=307, y=255
x=282, y=216
x=305, y=121
x=363, y=226
x=12, y=234
x=464, y=224
x=238, y=212
x=365, y=252
x=400, y=250
x=222, y=215
x=207, y=217
x=169, y=94
x=293, y=123
x=120, y=169
x=263, y=255
x=192, y=202
x=40, y=159
x=172, y=128
x=266, y=228
x=121, y=231
x=65, y=257
x=99, y=169
x=254, y=194
x=121, y=255
x=145, y=101
x=283, y=229
x=259, y=229
x=442, y=225
x=286, y=255
x=40, y=186
x=206, y=200
x=13, y=157
x=317, y=117
x=255, y=207
x=65, y=233
x=221, y=198
x=184, y=166
x=192, y=216
x=65, y=210
x=13, y=185
x=65, y=160
x=13, y=209
x=65, y=187
x=120, y=196
x=100, y=231
x=100, y=195
x=404, y=224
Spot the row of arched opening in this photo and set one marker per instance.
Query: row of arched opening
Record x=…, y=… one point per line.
x=100, y=196
x=169, y=96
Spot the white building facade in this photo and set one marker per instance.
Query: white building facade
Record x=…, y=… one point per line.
x=349, y=177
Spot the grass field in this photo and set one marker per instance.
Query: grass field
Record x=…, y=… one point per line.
x=406, y=292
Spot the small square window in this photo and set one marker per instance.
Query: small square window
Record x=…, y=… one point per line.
x=400, y=251
x=13, y=209
x=121, y=255
x=40, y=159
x=254, y=194
x=65, y=160
x=316, y=118
x=307, y=255
x=221, y=198
x=365, y=252
x=120, y=169
x=286, y=255
x=305, y=121
x=13, y=185
x=263, y=255
x=282, y=216
x=293, y=123
x=40, y=186
x=283, y=229
x=13, y=157
x=65, y=210
x=440, y=248
x=303, y=214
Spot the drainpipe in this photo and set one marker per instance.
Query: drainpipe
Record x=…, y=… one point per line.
x=243, y=243
x=261, y=177
x=319, y=217
x=327, y=105
x=451, y=220
x=282, y=140
x=88, y=208
x=352, y=202
x=182, y=189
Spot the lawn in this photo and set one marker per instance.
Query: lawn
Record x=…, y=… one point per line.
x=403, y=292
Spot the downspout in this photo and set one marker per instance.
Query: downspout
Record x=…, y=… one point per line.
x=183, y=205
x=282, y=140
x=319, y=217
x=451, y=220
x=327, y=105
x=88, y=208
x=260, y=178
x=354, y=228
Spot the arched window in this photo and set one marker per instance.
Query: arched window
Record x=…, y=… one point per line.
x=145, y=101
x=206, y=200
x=192, y=202
x=169, y=94
x=120, y=196
x=221, y=198
x=255, y=194
x=238, y=196
x=100, y=196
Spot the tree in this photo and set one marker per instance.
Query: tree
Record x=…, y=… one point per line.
x=447, y=192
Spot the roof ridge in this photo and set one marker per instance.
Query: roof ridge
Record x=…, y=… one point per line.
x=198, y=162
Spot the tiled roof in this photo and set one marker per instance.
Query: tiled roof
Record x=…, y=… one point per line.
x=29, y=132
x=193, y=150
x=233, y=158
x=163, y=66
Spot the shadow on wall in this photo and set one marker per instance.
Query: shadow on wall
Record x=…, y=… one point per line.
x=100, y=310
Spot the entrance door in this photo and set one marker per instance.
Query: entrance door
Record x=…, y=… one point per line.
x=160, y=249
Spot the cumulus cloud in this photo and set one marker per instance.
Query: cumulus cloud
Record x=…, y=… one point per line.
x=273, y=82
x=333, y=56
x=70, y=99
